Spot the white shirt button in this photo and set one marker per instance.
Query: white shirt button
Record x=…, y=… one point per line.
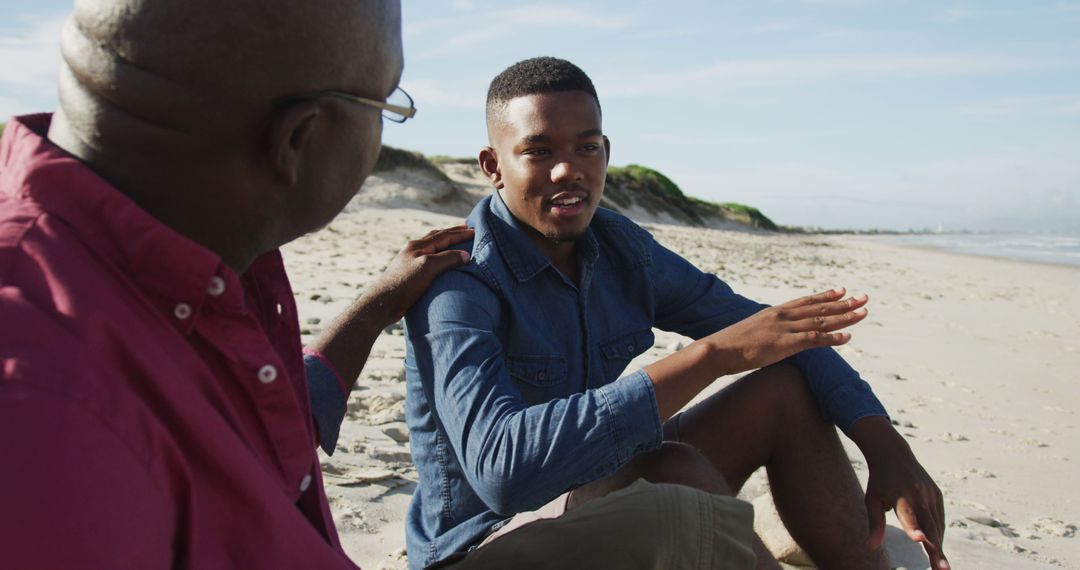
x=305, y=483
x=216, y=287
x=182, y=311
x=267, y=374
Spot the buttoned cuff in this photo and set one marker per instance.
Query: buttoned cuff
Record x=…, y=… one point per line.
x=328, y=398
x=635, y=418
x=851, y=402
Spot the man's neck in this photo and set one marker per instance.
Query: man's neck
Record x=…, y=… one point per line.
x=563, y=254
x=194, y=210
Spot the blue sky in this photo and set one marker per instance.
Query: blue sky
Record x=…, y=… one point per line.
x=834, y=113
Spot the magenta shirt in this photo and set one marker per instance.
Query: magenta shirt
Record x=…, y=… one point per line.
x=153, y=410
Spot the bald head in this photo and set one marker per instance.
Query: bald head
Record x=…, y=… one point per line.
x=177, y=64
x=202, y=111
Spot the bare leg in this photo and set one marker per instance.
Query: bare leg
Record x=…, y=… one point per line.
x=770, y=418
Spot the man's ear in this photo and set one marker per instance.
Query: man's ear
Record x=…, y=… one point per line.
x=607, y=150
x=290, y=138
x=489, y=163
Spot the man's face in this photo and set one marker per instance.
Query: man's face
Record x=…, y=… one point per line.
x=354, y=132
x=550, y=162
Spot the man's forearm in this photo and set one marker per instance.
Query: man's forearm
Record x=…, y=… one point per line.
x=875, y=435
x=347, y=342
x=681, y=376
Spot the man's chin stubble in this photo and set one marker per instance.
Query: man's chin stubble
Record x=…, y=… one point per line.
x=557, y=238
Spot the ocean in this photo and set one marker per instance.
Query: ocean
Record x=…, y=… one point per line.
x=1056, y=248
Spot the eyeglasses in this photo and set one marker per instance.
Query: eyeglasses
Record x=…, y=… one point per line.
x=398, y=107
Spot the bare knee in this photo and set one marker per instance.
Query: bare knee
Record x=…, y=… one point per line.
x=681, y=464
x=785, y=387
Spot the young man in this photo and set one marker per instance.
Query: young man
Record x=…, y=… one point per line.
x=514, y=363
x=154, y=408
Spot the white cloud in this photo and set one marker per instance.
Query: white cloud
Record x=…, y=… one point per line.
x=725, y=75
x=499, y=25
x=1039, y=104
x=431, y=93
x=30, y=61
x=773, y=27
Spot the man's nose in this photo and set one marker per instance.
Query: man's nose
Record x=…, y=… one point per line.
x=566, y=171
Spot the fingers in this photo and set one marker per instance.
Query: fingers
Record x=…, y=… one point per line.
x=440, y=239
x=833, y=323
x=813, y=338
x=875, y=513
x=449, y=259
x=930, y=536
x=823, y=297
x=825, y=309
x=908, y=520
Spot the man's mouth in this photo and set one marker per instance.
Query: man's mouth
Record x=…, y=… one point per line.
x=565, y=205
x=568, y=201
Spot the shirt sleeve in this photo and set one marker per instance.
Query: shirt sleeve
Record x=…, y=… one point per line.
x=328, y=398
x=73, y=494
x=697, y=304
x=514, y=455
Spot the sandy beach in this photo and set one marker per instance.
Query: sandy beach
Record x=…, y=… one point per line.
x=976, y=359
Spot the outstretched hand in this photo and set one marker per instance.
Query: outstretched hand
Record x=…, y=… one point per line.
x=762, y=339
x=775, y=333
x=898, y=482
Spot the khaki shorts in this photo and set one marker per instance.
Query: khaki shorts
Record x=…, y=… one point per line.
x=643, y=526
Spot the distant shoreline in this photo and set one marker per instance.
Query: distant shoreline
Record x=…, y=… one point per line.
x=1001, y=246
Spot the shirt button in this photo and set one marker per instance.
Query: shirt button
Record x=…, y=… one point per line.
x=182, y=311
x=629, y=348
x=267, y=374
x=541, y=376
x=216, y=287
x=305, y=483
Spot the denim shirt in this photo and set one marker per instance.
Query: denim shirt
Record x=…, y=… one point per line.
x=514, y=393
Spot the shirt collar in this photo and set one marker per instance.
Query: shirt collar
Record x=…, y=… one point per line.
x=160, y=260
x=521, y=255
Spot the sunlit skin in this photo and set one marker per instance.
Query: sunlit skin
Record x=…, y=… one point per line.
x=548, y=159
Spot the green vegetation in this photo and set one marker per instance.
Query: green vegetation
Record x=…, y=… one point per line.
x=2, y=125
x=642, y=176
x=443, y=159
x=743, y=213
x=651, y=190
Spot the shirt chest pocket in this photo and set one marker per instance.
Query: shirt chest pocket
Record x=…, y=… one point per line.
x=619, y=351
x=539, y=378
x=537, y=370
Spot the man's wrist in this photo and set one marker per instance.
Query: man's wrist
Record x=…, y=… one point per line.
x=875, y=436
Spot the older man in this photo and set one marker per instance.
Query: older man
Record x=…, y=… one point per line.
x=154, y=409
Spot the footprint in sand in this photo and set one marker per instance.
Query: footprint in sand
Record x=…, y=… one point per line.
x=972, y=472
x=1053, y=527
x=949, y=437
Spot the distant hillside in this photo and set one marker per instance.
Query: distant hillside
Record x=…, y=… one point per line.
x=407, y=179
x=633, y=187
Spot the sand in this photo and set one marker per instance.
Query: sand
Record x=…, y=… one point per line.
x=977, y=360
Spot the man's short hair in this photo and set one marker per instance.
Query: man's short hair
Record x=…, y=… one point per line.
x=534, y=76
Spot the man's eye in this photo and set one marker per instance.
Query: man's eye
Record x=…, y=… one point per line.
x=591, y=147
x=537, y=152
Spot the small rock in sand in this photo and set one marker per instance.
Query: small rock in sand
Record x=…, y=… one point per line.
x=398, y=432
x=985, y=520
